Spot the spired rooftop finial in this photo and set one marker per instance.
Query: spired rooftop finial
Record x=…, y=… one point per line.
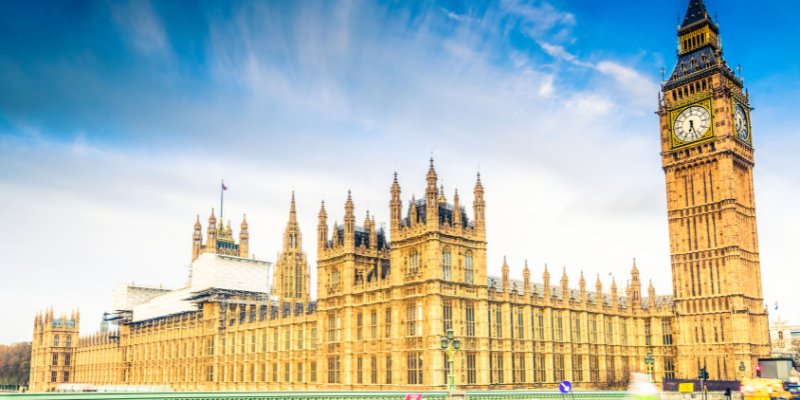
x=348, y=204
x=431, y=177
x=292, y=210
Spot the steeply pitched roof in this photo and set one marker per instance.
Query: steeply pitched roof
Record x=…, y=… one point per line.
x=694, y=13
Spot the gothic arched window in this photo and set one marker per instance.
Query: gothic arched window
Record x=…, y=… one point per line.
x=413, y=263
x=469, y=273
x=69, y=341
x=56, y=340
x=335, y=278
x=447, y=266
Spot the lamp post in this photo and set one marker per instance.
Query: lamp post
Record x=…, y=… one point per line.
x=450, y=345
x=649, y=361
x=742, y=368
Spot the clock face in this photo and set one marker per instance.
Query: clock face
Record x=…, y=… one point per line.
x=692, y=123
x=740, y=122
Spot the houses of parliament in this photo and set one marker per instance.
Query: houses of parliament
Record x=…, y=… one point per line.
x=384, y=300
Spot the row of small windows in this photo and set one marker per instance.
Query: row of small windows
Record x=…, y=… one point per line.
x=368, y=369
x=693, y=42
x=240, y=373
x=413, y=265
x=414, y=369
x=232, y=344
x=541, y=374
x=67, y=341
x=67, y=359
x=557, y=327
x=54, y=376
x=690, y=89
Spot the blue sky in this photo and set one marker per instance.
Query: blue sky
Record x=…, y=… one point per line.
x=118, y=119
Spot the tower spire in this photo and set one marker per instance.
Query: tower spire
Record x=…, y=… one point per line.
x=395, y=205
x=322, y=228
x=291, y=274
x=292, y=211
x=292, y=237
x=696, y=12
x=479, y=205
x=244, y=238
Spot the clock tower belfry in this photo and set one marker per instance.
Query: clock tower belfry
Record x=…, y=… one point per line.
x=707, y=156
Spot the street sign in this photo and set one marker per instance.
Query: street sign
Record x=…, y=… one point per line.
x=414, y=396
x=687, y=387
x=565, y=387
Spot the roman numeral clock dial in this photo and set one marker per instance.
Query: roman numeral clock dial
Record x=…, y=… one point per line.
x=740, y=122
x=692, y=124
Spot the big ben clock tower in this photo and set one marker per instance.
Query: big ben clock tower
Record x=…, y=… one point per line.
x=707, y=156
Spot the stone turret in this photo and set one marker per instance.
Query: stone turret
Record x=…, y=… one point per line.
x=526, y=279
x=505, y=276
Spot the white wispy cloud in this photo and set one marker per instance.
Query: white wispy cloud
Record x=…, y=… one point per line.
x=541, y=18
x=560, y=52
x=454, y=16
x=141, y=27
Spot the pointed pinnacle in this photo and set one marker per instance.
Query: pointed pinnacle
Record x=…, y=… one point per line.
x=292, y=209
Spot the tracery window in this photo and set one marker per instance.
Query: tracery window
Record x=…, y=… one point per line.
x=411, y=319
x=469, y=310
x=414, y=364
x=468, y=268
x=447, y=315
x=413, y=263
x=447, y=268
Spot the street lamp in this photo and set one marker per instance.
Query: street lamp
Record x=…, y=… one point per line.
x=450, y=345
x=742, y=368
x=649, y=361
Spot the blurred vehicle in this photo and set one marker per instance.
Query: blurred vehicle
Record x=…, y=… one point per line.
x=764, y=389
x=793, y=388
x=642, y=388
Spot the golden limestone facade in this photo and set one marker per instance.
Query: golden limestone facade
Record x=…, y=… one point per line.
x=53, y=349
x=380, y=313
x=707, y=155
x=383, y=306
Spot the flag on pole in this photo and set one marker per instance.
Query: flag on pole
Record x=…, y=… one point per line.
x=223, y=186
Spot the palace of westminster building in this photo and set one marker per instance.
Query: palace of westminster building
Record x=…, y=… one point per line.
x=385, y=299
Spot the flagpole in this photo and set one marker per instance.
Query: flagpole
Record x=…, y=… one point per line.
x=221, y=193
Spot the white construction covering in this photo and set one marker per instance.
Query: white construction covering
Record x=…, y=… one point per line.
x=125, y=297
x=208, y=271
x=226, y=272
